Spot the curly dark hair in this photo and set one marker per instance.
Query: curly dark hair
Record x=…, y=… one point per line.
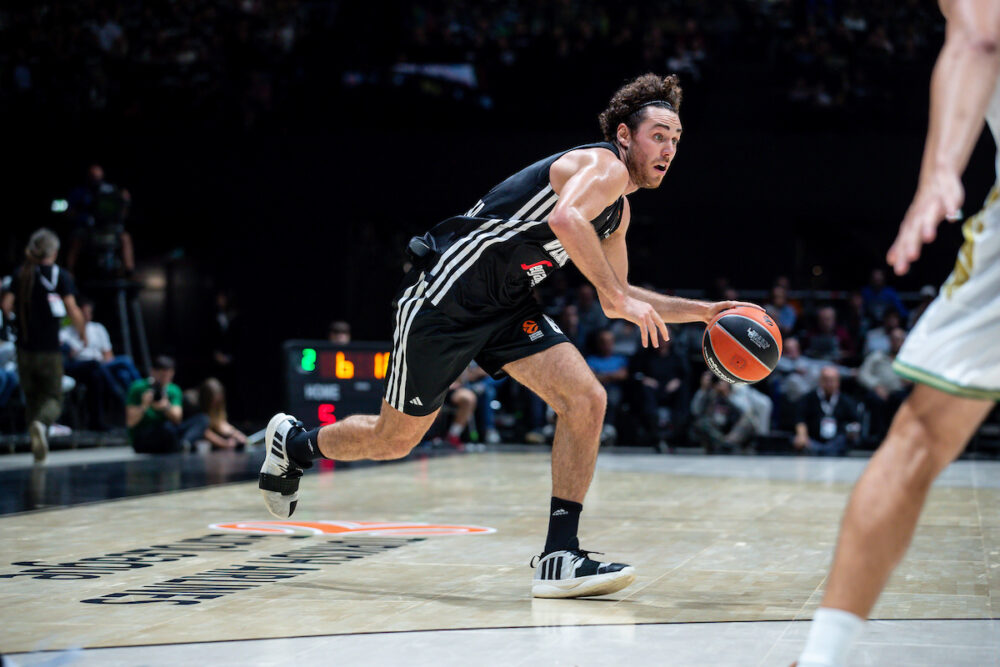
x=626, y=104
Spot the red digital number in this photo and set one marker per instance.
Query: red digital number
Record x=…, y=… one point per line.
x=325, y=414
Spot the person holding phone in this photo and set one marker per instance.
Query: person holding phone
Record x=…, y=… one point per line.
x=153, y=410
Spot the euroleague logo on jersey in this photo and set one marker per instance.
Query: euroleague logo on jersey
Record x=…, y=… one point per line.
x=530, y=327
x=373, y=528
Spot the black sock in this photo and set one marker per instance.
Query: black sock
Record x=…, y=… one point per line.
x=303, y=447
x=564, y=519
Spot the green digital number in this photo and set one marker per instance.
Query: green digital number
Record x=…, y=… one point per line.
x=308, y=360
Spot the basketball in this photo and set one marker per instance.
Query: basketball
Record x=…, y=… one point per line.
x=742, y=345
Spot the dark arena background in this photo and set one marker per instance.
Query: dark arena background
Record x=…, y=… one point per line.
x=262, y=167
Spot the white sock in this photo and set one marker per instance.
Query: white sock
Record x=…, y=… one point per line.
x=455, y=430
x=831, y=635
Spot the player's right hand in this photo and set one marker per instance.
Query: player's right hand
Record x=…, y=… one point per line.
x=938, y=198
x=643, y=315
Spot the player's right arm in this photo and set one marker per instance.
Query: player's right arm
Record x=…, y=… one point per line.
x=587, y=182
x=961, y=86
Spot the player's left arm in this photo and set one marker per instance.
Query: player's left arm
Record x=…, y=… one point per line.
x=671, y=309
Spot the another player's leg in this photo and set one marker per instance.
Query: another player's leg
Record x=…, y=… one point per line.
x=929, y=431
x=290, y=448
x=560, y=376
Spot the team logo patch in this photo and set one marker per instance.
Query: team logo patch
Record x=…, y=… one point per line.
x=373, y=528
x=530, y=327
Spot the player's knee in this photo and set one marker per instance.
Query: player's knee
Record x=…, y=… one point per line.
x=392, y=442
x=396, y=447
x=589, y=402
x=920, y=452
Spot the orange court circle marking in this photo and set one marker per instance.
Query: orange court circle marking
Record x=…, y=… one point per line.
x=379, y=528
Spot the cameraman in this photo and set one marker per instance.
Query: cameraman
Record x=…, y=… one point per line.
x=98, y=210
x=153, y=410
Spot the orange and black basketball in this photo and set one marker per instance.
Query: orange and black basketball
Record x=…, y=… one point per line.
x=742, y=345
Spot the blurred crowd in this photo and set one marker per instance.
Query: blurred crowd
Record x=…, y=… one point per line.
x=241, y=63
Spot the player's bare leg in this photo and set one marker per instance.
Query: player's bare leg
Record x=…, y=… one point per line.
x=929, y=431
x=562, y=379
x=389, y=435
x=290, y=448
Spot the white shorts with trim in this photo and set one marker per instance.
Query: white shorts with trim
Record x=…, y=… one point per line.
x=955, y=345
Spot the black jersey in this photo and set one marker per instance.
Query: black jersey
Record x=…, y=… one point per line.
x=489, y=259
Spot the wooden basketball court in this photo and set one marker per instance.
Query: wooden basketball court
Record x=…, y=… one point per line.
x=427, y=561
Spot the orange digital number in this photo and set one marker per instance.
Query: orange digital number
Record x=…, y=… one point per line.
x=343, y=369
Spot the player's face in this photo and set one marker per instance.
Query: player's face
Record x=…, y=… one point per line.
x=653, y=147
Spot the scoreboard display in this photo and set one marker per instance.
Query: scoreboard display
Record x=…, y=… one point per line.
x=327, y=381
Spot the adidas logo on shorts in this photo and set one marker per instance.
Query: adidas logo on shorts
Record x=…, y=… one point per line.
x=416, y=401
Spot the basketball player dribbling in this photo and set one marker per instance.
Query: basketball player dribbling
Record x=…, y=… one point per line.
x=953, y=353
x=468, y=296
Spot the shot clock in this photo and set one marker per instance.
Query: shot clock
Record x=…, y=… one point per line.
x=326, y=381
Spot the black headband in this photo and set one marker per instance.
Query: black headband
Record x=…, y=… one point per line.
x=664, y=103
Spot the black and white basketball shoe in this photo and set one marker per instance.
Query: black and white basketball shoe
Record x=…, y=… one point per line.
x=573, y=574
x=279, y=476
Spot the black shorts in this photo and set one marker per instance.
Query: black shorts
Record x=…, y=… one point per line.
x=430, y=349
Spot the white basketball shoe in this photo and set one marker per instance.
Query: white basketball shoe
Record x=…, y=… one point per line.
x=572, y=574
x=279, y=475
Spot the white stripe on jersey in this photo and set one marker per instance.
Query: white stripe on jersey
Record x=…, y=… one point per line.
x=471, y=213
x=470, y=238
x=481, y=238
x=531, y=202
x=438, y=290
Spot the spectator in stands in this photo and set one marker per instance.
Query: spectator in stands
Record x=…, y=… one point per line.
x=464, y=400
x=782, y=311
x=827, y=419
x=485, y=389
x=339, y=332
x=9, y=382
x=664, y=398
x=886, y=389
x=828, y=340
x=879, y=297
x=591, y=316
x=218, y=431
x=119, y=372
x=856, y=320
x=756, y=405
x=718, y=423
x=877, y=339
x=41, y=294
x=153, y=410
x=628, y=341
x=611, y=370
